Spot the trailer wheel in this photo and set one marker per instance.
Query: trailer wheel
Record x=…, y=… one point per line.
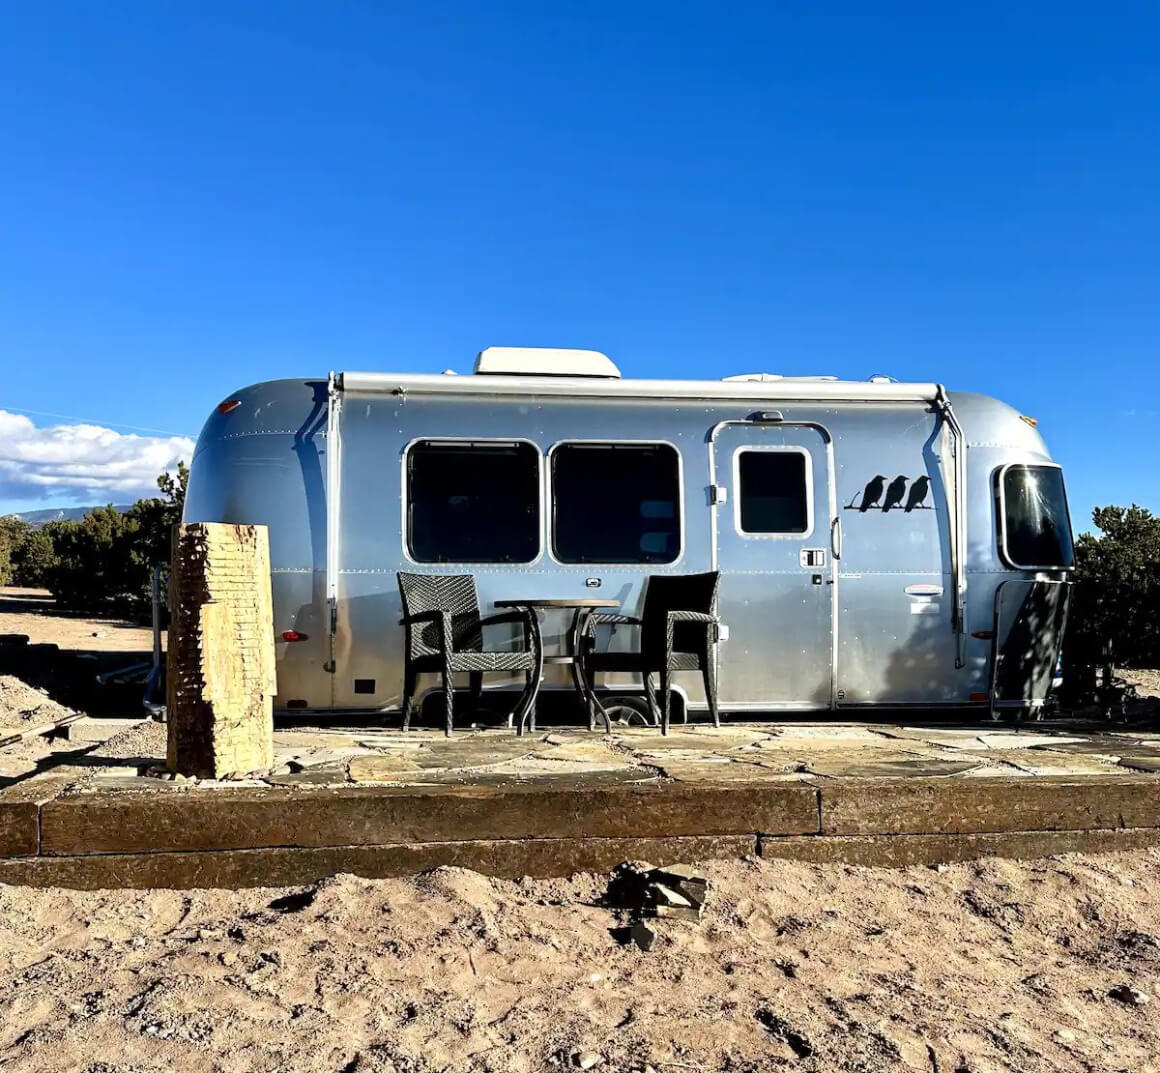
x=628, y=711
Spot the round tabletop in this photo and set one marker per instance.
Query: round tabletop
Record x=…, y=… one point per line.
x=548, y=602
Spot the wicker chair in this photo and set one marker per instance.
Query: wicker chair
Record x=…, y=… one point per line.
x=679, y=630
x=445, y=635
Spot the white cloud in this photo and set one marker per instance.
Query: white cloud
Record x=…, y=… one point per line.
x=82, y=462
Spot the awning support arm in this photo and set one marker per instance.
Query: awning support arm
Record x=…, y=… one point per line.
x=957, y=508
x=333, y=497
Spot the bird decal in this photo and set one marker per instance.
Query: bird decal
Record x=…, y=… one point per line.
x=895, y=493
x=918, y=493
x=872, y=493
x=883, y=497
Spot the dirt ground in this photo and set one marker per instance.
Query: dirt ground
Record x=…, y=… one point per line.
x=1147, y=683
x=995, y=965
x=23, y=706
x=34, y=612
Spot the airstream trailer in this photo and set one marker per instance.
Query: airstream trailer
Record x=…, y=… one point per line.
x=879, y=544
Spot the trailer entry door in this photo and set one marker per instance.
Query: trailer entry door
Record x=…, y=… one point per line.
x=774, y=522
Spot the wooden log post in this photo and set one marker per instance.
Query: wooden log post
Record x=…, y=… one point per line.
x=220, y=680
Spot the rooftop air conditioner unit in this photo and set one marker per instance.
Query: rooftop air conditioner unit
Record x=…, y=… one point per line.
x=544, y=361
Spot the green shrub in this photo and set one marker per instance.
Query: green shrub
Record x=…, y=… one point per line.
x=33, y=557
x=1117, y=591
x=104, y=563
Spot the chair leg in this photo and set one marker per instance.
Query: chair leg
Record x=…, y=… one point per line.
x=449, y=700
x=476, y=680
x=409, y=685
x=666, y=697
x=650, y=695
x=709, y=674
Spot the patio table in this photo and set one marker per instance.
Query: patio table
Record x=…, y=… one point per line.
x=577, y=604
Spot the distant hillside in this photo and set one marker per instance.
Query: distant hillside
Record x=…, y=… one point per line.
x=59, y=514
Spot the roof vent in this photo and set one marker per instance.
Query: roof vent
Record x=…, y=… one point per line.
x=544, y=361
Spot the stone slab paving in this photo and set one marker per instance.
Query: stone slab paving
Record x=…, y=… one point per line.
x=380, y=802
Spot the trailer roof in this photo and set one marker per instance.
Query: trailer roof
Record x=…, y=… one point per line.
x=768, y=389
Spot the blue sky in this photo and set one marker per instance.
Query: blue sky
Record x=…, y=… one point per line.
x=201, y=195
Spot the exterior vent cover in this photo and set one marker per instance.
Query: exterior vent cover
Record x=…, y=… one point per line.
x=544, y=361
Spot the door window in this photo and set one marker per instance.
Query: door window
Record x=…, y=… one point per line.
x=773, y=492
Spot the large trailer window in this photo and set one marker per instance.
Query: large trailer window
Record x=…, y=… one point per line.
x=476, y=502
x=616, y=503
x=773, y=495
x=1035, y=530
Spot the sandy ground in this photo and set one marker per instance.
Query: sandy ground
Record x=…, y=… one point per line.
x=23, y=706
x=1147, y=683
x=34, y=612
x=988, y=966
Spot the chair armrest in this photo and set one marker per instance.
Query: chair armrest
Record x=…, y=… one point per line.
x=694, y=618
x=442, y=619
x=603, y=618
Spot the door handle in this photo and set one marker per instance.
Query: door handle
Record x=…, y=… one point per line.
x=836, y=538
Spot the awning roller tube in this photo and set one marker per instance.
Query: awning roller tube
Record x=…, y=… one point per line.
x=578, y=387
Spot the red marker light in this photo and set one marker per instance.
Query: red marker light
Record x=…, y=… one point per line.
x=980, y=698
x=293, y=635
x=229, y=406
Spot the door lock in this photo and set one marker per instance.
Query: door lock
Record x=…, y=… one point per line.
x=816, y=579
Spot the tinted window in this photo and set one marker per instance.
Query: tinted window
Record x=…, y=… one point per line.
x=1036, y=523
x=616, y=503
x=473, y=502
x=773, y=495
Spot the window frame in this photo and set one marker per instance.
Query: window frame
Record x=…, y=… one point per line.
x=1001, y=529
x=405, y=498
x=764, y=448
x=550, y=494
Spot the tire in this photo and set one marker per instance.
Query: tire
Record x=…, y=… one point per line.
x=628, y=710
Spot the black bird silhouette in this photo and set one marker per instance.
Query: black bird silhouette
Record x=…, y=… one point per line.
x=895, y=493
x=872, y=492
x=918, y=492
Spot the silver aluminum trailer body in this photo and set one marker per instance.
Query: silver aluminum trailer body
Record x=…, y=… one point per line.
x=896, y=590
